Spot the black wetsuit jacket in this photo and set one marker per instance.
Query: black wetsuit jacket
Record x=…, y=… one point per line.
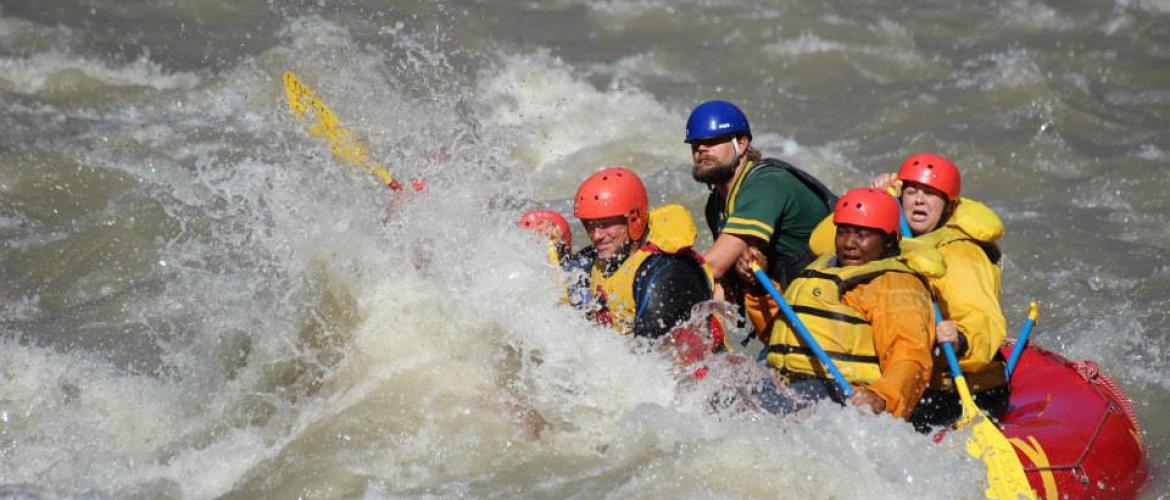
x=666, y=286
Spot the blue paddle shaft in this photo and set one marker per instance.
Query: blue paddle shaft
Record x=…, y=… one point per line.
x=1021, y=342
x=952, y=360
x=846, y=389
x=905, y=226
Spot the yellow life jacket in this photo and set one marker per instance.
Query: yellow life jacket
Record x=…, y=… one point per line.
x=842, y=331
x=971, y=220
x=672, y=231
x=557, y=257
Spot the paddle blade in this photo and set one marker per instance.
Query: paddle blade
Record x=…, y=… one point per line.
x=301, y=98
x=1005, y=473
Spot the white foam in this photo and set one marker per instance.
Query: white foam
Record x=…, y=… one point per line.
x=1011, y=69
x=460, y=374
x=31, y=75
x=631, y=71
x=1033, y=15
x=73, y=421
x=1126, y=12
x=24, y=35
x=884, y=40
x=1156, y=6
x=556, y=114
x=1151, y=152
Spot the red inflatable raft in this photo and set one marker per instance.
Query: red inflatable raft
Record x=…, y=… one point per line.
x=1073, y=428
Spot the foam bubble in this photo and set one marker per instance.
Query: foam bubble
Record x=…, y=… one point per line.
x=1151, y=152
x=56, y=71
x=556, y=115
x=1011, y=69
x=1155, y=6
x=1033, y=15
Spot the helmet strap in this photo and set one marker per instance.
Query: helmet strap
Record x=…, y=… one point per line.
x=735, y=145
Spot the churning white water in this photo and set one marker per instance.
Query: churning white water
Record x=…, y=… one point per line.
x=199, y=301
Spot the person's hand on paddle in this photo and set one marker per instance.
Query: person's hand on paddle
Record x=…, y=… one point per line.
x=743, y=265
x=866, y=397
x=948, y=331
x=885, y=182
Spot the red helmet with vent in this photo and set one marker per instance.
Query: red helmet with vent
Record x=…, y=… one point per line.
x=612, y=192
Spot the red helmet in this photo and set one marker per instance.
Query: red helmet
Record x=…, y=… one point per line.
x=612, y=192
x=932, y=170
x=532, y=219
x=868, y=207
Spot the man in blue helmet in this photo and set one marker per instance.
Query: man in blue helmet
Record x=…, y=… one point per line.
x=759, y=208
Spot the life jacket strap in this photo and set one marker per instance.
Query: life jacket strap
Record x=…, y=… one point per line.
x=840, y=356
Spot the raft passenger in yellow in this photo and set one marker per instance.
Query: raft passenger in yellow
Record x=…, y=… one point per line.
x=868, y=306
x=966, y=233
x=639, y=275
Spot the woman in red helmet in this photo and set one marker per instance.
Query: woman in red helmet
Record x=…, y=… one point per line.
x=965, y=232
x=639, y=275
x=868, y=306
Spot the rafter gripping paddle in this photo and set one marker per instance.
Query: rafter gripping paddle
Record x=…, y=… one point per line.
x=1005, y=473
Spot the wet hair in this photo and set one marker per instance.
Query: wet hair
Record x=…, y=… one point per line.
x=754, y=154
x=948, y=211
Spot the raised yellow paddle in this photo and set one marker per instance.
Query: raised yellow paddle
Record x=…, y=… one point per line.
x=347, y=149
x=1005, y=473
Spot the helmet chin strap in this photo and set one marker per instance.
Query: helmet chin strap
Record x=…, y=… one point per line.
x=735, y=145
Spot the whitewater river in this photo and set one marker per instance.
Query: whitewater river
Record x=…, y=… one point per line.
x=199, y=301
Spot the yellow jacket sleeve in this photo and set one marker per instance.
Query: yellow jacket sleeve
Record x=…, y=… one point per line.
x=968, y=294
x=898, y=308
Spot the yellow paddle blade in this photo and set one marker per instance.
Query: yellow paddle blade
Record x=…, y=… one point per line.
x=1005, y=473
x=301, y=98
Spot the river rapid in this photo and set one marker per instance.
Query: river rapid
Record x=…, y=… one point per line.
x=199, y=301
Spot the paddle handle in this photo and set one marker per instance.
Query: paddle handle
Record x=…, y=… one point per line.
x=1022, y=339
x=762, y=277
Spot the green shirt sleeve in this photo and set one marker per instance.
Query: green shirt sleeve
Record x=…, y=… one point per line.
x=776, y=207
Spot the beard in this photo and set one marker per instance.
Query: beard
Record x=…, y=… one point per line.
x=714, y=172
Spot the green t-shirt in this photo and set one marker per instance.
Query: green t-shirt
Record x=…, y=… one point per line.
x=768, y=203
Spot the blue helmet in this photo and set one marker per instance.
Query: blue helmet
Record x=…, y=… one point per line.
x=716, y=119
